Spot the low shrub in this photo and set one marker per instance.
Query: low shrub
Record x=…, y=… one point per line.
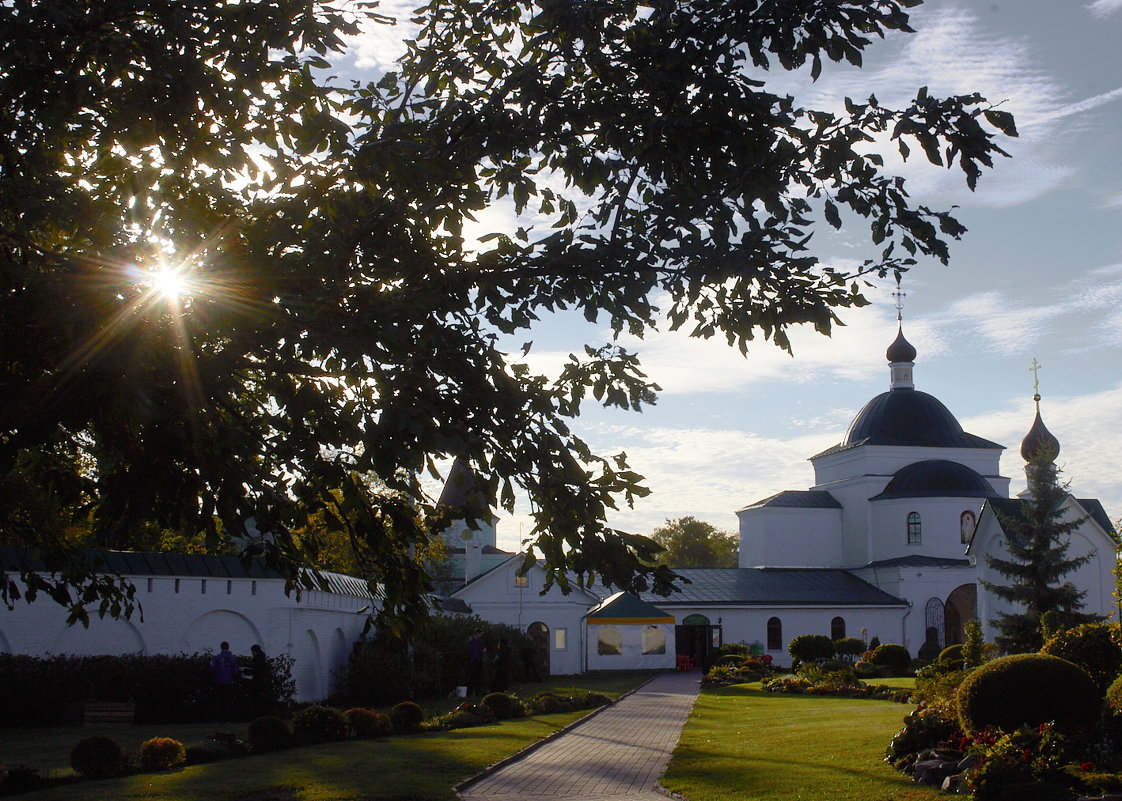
x=1092, y=646
x=724, y=675
x=593, y=699
x=734, y=649
x=269, y=733
x=893, y=657
x=162, y=753
x=952, y=655
x=318, y=724
x=467, y=715
x=548, y=704
x=367, y=722
x=924, y=728
x=503, y=705
x=220, y=745
x=97, y=757
x=406, y=716
x=1027, y=689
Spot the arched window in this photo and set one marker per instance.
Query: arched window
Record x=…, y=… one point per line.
x=915, y=529
x=837, y=628
x=774, y=634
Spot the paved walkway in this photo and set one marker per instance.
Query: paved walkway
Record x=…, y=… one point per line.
x=618, y=754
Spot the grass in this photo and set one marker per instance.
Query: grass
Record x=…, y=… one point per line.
x=743, y=744
x=423, y=766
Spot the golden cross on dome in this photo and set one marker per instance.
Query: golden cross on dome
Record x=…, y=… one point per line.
x=899, y=294
x=1035, y=370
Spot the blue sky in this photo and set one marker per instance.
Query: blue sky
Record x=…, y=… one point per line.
x=1038, y=275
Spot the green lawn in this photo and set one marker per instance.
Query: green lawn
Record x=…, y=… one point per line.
x=741, y=743
x=423, y=766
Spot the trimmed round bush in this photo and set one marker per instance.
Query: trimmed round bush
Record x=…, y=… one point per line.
x=952, y=655
x=97, y=757
x=162, y=753
x=406, y=716
x=849, y=647
x=1027, y=689
x=811, y=647
x=1114, y=696
x=269, y=733
x=1092, y=646
x=892, y=656
x=318, y=724
x=503, y=705
x=367, y=722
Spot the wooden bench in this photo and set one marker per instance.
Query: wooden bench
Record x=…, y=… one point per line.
x=98, y=714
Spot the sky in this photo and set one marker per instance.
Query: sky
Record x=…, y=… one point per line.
x=1037, y=276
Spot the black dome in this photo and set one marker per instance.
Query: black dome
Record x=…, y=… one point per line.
x=901, y=350
x=909, y=417
x=1039, y=441
x=937, y=478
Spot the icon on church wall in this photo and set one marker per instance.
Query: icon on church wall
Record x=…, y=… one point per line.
x=966, y=525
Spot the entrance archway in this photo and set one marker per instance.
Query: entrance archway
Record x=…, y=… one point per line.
x=961, y=606
x=697, y=639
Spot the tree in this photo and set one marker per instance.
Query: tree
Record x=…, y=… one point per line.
x=688, y=542
x=231, y=288
x=1037, y=539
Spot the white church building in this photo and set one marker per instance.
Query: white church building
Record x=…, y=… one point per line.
x=889, y=542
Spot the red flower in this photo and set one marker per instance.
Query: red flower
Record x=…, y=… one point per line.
x=1087, y=767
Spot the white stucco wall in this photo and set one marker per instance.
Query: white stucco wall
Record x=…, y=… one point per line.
x=790, y=536
x=499, y=596
x=184, y=615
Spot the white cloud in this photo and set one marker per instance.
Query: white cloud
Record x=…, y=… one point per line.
x=1104, y=8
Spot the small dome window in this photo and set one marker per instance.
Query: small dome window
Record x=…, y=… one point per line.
x=915, y=529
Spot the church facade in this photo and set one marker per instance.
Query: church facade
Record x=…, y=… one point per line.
x=889, y=542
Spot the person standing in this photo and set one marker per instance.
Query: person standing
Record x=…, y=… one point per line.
x=223, y=671
x=501, y=678
x=261, y=682
x=473, y=673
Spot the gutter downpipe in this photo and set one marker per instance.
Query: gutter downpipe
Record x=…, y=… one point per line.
x=904, y=624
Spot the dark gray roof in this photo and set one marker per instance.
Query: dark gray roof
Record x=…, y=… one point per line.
x=1013, y=508
x=178, y=565
x=772, y=586
x=920, y=561
x=798, y=499
x=907, y=417
x=937, y=478
x=1097, y=513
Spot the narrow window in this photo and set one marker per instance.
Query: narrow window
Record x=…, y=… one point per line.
x=837, y=628
x=774, y=634
x=560, y=639
x=202, y=587
x=150, y=582
x=915, y=529
x=253, y=588
x=229, y=587
x=177, y=585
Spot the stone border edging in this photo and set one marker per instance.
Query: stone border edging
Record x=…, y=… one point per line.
x=517, y=755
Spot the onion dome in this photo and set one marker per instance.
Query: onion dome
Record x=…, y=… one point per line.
x=900, y=350
x=1039, y=441
x=937, y=478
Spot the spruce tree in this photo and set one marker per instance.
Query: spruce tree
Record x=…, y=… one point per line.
x=1037, y=539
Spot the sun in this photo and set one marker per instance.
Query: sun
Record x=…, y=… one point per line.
x=169, y=282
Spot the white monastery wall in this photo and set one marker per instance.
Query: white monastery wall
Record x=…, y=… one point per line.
x=191, y=615
x=790, y=536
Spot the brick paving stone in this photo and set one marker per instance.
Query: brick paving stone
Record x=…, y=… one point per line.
x=617, y=755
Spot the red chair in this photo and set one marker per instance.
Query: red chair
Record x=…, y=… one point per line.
x=685, y=663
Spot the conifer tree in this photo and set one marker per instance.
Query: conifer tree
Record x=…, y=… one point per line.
x=1037, y=539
